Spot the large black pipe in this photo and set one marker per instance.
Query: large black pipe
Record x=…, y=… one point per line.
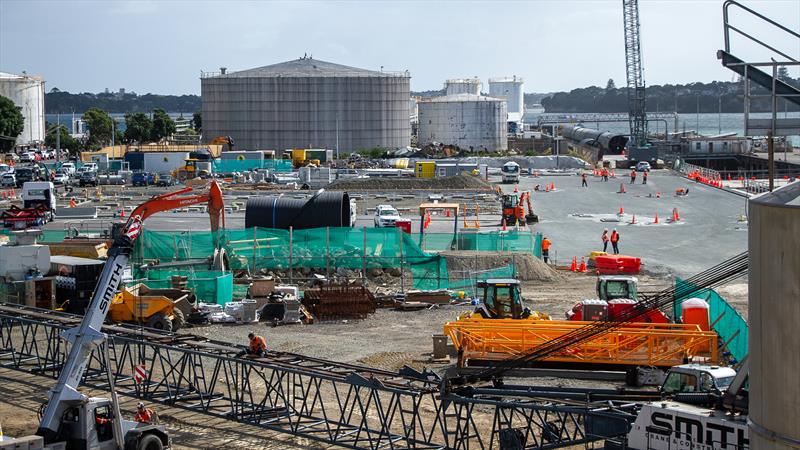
x=326, y=209
x=607, y=142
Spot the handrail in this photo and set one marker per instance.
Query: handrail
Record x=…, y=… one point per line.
x=727, y=27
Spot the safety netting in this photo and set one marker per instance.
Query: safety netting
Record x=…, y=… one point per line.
x=726, y=321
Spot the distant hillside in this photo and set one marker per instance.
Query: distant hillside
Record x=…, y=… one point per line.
x=685, y=98
x=63, y=102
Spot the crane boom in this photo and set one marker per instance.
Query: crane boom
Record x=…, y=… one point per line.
x=86, y=337
x=635, y=73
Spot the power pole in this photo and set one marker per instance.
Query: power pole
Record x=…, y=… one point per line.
x=635, y=74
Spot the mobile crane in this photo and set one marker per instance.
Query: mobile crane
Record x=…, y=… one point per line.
x=74, y=421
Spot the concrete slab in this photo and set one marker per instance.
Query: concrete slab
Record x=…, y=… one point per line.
x=573, y=218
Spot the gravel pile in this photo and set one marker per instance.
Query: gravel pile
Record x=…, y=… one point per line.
x=528, y=267
x=395, y=184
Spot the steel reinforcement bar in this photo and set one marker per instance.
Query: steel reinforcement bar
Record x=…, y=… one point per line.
x=335, y=403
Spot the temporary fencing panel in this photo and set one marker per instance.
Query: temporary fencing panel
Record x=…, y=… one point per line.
x=729, y=323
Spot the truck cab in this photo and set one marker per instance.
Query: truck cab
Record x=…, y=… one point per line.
x=90, y=424
x=35, y=193
x=611, y=287
x=510, y=172
x=697, y=378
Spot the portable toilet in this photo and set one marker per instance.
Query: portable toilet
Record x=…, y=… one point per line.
x=696, y=311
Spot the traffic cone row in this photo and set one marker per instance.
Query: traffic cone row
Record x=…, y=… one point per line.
x=9, y=195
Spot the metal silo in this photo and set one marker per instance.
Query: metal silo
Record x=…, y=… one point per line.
x=307, y=103
x=511, y=89
x=472, y=122
x=774, y=315
x=462, y=86
x=27, y=92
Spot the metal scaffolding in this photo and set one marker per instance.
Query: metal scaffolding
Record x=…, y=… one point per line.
x=335, y=403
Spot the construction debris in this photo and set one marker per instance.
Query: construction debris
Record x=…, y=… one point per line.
x=339, y=301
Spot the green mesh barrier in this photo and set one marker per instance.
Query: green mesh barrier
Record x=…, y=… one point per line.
x=209, y=286
x=467, y=286
x=729, y=323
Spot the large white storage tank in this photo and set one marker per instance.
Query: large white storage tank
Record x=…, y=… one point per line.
x=471, y=122
x=774, y=315
x=462, y=86
x=27, y=92
x=511, y=89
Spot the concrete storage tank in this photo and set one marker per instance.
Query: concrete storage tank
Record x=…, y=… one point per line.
x=27, y=92
x=308, y=103
x=472, y=122
x=774, y=315
x=511, y=89
x=462, y=86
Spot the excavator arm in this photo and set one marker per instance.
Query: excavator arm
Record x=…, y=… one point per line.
x=87, y=336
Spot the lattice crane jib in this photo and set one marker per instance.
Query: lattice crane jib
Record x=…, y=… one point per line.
x=635, y=74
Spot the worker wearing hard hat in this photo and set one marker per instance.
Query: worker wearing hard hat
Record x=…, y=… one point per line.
x=143, y=415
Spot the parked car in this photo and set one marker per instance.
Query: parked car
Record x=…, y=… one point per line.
x=386, y=216
x=68, y=168
x=643, y=166
x=91, y=166
x=61, y=178
x=88, y=178
x=27, y=157
x=26, y=174
x=8, y=180
x=142, y=179
x=10, y=157
x=4, y=168
x=165, y=179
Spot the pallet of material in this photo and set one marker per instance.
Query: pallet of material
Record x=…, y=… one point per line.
x=437, y=297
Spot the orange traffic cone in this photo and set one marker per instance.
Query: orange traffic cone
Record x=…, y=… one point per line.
x=122, y=212
x=583, y=265
x=621, y=188
x=675, y=216
x=574, y=266
x=447, y=213
x=633, y=219
x=621, y=211
x=516, y=188
x=547, y=188
x=504, y=224
x=656, y=219
x=552, y=186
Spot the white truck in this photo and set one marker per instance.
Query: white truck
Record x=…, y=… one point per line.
x=35, y=193
x=510, y=172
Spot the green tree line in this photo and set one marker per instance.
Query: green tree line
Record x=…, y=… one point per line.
x=63, y=102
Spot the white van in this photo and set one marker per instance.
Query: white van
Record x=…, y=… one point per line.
x=40, y=193
x=68, y=168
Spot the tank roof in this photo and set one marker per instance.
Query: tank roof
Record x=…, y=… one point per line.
x=456, y=98
x=308, y=67
x=13, y=76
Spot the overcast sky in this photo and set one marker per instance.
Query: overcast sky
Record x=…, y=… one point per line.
x=162, y=46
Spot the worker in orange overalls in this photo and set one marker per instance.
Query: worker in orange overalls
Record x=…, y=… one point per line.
x=143, y=415
x=633, y=176
x=615, y=241
x=257, y=347
x=546, y=249
x=604, y=237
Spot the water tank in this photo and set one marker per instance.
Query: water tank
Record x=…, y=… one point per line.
x=462, y=86
x=774, y=315
x=510, y=89
x=308, y=103
x=471, y=122
x=27, y=92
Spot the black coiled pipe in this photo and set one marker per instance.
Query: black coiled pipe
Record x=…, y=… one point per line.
x=328, y=209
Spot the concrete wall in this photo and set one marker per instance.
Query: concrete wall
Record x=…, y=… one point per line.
x=301, y=112
x=474, y=124
x=27, y=93
x=774, y=315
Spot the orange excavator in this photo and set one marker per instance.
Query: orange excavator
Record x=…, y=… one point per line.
x=514, y=211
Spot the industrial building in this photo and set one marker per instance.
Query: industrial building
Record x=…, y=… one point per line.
x=462, y=86
x=308, y=103
x=511, y=89
x=27, y=92
x=471, y=122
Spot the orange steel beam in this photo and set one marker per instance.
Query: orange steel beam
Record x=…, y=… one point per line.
x=661, y=345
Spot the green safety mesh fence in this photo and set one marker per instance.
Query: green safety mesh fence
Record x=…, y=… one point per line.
x=729, y=323
x=467, y=285
x=208, y=285
x=235, y=165
x=330, y=249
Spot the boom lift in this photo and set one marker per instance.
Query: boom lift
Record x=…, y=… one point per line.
x=74, y=419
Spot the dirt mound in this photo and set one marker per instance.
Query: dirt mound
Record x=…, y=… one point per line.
x=528, y=267
x=388, y=184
